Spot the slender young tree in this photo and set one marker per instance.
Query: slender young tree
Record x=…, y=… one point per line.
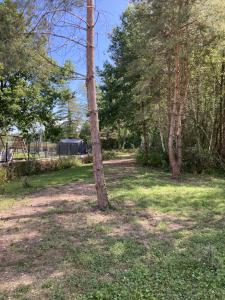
x=102, y=196
x=52, y=15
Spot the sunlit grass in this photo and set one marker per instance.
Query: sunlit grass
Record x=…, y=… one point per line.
x=164, y=240
x=15, y=190
x=157, y=192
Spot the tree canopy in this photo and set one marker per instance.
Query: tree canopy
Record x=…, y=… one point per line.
x=31, y=83
x=166, y=81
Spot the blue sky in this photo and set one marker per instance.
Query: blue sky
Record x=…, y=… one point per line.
x=109, y=17
x=111, y=11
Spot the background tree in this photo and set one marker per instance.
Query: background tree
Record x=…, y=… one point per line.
x=170, y=56
x=30, y=86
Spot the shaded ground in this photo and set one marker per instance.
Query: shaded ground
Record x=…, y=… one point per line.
x=163, y=240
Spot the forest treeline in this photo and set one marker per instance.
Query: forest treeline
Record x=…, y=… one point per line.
x=164, y=86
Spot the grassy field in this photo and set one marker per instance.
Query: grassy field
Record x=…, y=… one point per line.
x=162, y=240
x=15, y=190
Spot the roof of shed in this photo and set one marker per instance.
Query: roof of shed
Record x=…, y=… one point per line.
x=71, y=141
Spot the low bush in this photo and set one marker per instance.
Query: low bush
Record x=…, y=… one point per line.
x=87, y=159
x=152, y=159
x=19, y=169
x=25, y=182
x=3, y=175
x=193, y=161
x=196, y=162
x=3, y=179
x=108, y=155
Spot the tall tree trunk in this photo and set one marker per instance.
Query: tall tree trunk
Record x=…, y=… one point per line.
x=220, y=112
x=102, y=196
x=173, y=137
x=181, y=84
x=222, y=100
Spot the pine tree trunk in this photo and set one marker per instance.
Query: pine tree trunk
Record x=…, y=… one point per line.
x=102, y=196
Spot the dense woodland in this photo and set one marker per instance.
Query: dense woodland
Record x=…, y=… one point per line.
x=164, y=87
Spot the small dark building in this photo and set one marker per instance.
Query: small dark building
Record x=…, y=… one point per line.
x=71, y=147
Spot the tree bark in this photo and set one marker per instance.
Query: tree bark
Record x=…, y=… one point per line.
x=162, y=138
x=222, y=100
x=145, y=131
x=181, y=84
x=175, y=167
x=100, y=185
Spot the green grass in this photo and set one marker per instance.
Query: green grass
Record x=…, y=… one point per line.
x=116, y=154
x=15, y=190
x=163, y=240
x=191, y=196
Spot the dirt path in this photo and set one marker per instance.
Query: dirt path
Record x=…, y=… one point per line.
x=25, y=227
x=44, y=238
x=46, y=199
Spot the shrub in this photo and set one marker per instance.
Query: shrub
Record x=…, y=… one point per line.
x=196, y=162
x=108, y=155
x=152, y=159
x=3, y=179
x=3, y=175
x=25, y=182
x=26, y=168
x=87, y=159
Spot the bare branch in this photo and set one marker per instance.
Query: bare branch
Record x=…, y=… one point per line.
x=54, y=12
x=78, y=76
x=63, y=37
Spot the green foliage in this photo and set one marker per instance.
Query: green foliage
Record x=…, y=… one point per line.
x=198, y=162
x=25, y=182
x=140, y=80
x=69, y=113
x=109, y=155
x=3, y=175
x=3, y=179
x=85, y=132
x=26, y=168
x=152, y=159
x=87, y=159
x=31, y=85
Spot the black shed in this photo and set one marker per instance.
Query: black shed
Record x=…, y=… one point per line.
x=71, y=147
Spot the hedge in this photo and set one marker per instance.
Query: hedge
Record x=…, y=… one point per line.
x=19, y=169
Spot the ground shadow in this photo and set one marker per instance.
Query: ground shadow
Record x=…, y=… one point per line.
x=62, y=247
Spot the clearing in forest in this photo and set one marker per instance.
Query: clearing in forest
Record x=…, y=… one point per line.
x=162, y=239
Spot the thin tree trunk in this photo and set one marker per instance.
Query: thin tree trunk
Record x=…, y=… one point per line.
x=173, y=120
x=102, y=196
x=162, y=139
x=222, y=100
x=181, y=111
x=145, y=131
